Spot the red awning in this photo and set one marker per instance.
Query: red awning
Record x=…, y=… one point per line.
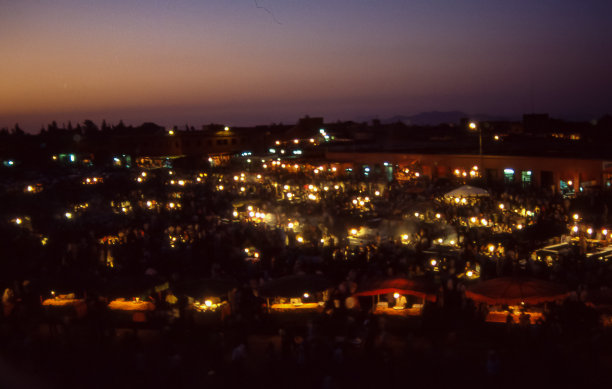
x=516, y=290
x=419, y=287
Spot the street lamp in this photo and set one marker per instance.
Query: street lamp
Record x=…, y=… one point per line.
x=473, y=127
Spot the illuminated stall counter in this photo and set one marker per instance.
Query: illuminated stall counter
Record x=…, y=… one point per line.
x=65, y=305
x=136, y=310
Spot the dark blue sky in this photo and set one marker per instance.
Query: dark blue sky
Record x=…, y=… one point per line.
x=177, y=62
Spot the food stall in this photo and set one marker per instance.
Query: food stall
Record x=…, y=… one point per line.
x=63, y=296
x=208, y=298
x=516, y=298
x=551, y=254
x=465, y=192
x=296, y=293
x=64, y=305
x=400, y=296
x=132, y=299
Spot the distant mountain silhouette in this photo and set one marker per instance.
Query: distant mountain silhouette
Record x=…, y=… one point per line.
x=428, y=118
x=435, y=118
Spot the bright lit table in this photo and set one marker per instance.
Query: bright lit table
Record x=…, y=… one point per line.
x=128, y=305
x=138, y=309
x=295, y=307
x=66, y=304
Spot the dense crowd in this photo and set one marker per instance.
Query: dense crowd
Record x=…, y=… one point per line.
x=159, y=229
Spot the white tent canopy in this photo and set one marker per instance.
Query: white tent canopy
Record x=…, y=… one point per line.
x=467, y=191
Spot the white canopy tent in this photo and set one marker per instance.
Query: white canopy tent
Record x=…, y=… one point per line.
x=467, y=191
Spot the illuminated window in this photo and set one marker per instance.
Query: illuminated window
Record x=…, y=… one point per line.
x=509, y=175
x=526, y=178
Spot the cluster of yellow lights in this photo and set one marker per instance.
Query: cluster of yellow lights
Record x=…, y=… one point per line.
x=484, y=222
x=207, y=305
x=173, y=206
x=473, y=172
x=360, y=201
x=240, y=178
x=124, y=207
x=589, y=230
x=92, y=180
x=177, y=182
x=173, y=240
x=142, y=177
x=252, y=253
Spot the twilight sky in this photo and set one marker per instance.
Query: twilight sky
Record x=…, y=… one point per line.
x=230, y=61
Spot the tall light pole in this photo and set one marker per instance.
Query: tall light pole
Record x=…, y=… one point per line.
x=473, y=126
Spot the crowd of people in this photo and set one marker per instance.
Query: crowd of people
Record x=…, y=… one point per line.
x=159, y=229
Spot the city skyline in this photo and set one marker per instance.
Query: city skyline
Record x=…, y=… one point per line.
x=248, y=63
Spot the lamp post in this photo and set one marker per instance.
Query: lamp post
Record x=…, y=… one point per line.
x=474, y=126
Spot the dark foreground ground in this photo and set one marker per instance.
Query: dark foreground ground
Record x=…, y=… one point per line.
x=299, y=354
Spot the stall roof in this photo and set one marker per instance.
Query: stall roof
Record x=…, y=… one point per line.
x=467, y=191
x=414, y=287
x=516, y=290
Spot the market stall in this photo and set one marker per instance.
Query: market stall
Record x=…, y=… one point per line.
x=65, y=306
x=296, y=293
x=133, y=299
x=398, y=296
x=208, y=298
x=466, y=191
x=63, y=296
x=516, y=298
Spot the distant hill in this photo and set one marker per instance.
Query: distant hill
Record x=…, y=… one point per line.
x=435, y=118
